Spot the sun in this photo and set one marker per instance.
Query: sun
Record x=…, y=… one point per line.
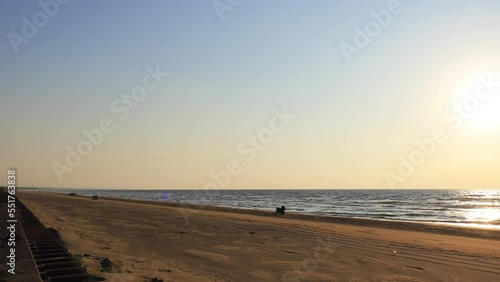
x=479, y=104
x=486, y=120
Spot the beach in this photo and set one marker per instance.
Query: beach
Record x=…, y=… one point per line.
x=176, y=242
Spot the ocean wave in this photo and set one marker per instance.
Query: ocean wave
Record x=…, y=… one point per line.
x=494, y=222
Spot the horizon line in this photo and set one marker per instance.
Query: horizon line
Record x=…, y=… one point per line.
x=229, y=189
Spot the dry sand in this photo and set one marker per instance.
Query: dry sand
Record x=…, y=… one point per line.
x=145, y=240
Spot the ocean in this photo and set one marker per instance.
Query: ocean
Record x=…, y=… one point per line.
x=473, y=208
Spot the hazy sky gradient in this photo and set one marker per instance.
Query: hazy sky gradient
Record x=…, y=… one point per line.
x=353, y=120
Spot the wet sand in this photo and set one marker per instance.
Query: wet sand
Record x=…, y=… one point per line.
x=176, y=242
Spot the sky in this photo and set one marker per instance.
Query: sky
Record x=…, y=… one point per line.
x=250, y=94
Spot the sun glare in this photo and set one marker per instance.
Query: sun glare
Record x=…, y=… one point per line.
x=480, y=107
x=486, y=120
x=484, y=215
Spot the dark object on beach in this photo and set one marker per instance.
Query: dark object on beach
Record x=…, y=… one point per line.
x=156, y=279
x=106, y=264
x=280, y=210
x=95, y=197
x=72, y=194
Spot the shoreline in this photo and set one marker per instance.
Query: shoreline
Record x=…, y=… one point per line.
x=433, y=220
x=433, y=227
